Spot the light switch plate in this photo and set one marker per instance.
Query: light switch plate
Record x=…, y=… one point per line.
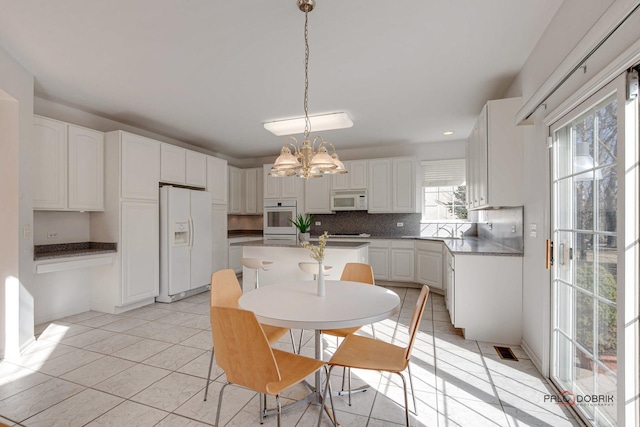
x=318, y=223
x=400, y=224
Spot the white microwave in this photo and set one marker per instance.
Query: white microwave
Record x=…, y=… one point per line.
x=349, y=200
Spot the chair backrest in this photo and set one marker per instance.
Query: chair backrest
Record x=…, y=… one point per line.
x=242, y=349
x=225, y=289
x=357, y=272
x=415, y=319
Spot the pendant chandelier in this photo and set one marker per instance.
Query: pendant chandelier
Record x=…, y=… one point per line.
x=312, y=159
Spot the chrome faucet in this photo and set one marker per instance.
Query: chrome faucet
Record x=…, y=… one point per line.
x=448, y=230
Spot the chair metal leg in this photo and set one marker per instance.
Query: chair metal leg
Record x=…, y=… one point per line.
x=206, y=389
x=262, y=406
x=406, y=400
x=279, y=408
x=293, y=342
x=327, y=387
x=413, y=393
x=300, y=344
x=373, y=331
x=349, y=379
x=220, y=403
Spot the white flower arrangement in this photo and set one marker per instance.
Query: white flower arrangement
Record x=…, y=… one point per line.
x=317, y=252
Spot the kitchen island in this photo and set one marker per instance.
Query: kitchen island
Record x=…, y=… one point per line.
x=286, y=255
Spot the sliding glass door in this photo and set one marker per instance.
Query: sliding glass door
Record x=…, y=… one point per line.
x=585, y=270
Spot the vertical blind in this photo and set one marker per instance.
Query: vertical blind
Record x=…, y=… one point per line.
x=444, y=173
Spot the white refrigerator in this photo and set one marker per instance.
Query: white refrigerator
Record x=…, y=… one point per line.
x=185, y=243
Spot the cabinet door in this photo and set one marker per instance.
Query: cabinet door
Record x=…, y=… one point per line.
x=140, y=167
x=49, y=164
x=317, y=195
x=235, y=258
x=429, y=268
x=140, y=251
x=86, y=169
x=220, y=252
x=358, y=173
x=379, y=260
x=196, y=169
x=380, y=185
x=259, y=191
x=292, y=187
x=173, y=164
x=250, y=191
x=217, y=180
x=402, y=265
x=342, y=181
x=272, y=184
x=481, y=153
x=404, y=185
x=235, y=190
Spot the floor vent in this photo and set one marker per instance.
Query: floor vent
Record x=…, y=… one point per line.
x=505, y=353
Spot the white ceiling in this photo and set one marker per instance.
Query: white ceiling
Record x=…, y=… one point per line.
x=211, y=72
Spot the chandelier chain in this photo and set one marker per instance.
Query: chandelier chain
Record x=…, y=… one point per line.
x=307, y=122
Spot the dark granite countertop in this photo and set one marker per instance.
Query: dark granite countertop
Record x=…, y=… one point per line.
x=68, y=250
x=291, y=244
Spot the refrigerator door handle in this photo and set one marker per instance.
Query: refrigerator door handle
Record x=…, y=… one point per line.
x=191, y=229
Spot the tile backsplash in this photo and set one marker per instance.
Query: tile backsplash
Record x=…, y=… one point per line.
x=384, y=225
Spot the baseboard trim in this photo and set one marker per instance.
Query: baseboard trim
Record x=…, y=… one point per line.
x=534, y=359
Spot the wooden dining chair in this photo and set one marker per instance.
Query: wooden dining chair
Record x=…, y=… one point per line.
x=225, y=292
x=244, y=353
x=365, y=353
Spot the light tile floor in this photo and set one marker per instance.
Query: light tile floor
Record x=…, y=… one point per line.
x=148, y=367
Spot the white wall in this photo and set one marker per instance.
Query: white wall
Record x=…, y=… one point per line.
x=572, y=21
x=70, y=227
x=16, y=253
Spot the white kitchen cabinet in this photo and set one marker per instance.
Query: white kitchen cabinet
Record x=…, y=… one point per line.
x=291, y=188
x=217, y=180
x=140, y=166
x=429, y=264
x=196, y=169
x=450, y=285
x=68, y=169
x=355, y=179
x=130, y=219
x=235, y=252
x=402, y=257
x=379, y=259
x=250, y=192
x=235, y=190
x=220, y=252
x=379, y=193
x=404, y=185
x=259, y=191
x=495, y=157
x=139, y=247
x=393, y=185
x=50, y=164
x=173, y=166
x=86, y=169
x=317, y=194
x=487, y=297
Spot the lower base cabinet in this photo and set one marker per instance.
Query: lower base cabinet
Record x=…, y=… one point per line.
x=429, y=265
x=486, y=300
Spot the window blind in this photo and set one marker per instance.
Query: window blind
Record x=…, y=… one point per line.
x=444, y=173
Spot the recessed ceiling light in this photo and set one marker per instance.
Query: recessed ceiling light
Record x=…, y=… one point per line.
x=318, y=123
x=449, y=132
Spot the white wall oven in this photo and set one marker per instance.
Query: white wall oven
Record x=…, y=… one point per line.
x=277, y=218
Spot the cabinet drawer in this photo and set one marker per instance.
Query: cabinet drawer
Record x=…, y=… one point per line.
x=379, y=244
x=402, y=244
x=425, y=245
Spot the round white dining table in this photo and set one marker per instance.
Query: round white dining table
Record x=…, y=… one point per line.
x=296, y=305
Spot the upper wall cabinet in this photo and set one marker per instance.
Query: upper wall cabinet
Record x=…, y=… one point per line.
x=495, y=157
x=393, y=185
x=245, y=191
x=355, y=179
x=290, y=187
x=317, y=194
x=217, y=178
x=181, y=166
x=68, y=166
x=139, y=165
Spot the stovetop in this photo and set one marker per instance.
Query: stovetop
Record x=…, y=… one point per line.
x=349, y=235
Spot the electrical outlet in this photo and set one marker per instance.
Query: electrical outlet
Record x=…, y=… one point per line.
x=513, y=228
x=26, y=231
x=318, y=223
x=533, y=230
x=52, y=235
x=400, y=224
